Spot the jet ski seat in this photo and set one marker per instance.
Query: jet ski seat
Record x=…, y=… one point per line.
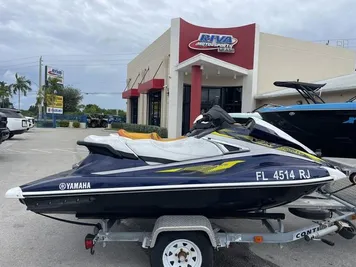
x=153, y=150
x=175, y=150
x=153, y=136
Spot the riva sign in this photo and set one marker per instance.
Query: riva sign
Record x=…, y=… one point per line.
x=54, y=73
x=221, y=42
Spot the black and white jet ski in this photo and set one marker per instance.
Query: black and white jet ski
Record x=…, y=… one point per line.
x=218, y=169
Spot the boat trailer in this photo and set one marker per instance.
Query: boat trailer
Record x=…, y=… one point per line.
x=191, y=240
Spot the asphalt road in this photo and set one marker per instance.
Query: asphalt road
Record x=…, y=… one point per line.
x=32, y=240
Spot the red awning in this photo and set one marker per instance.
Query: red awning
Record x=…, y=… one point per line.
x=154, y=84
x=130, y=93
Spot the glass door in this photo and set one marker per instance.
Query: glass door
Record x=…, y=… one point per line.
x=186, y=109
x=154, y=105
x=134, y=109
x=210, y=96
x=232, y=97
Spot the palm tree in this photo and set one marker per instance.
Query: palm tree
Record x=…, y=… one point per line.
x=5, y=92
x=21, y=85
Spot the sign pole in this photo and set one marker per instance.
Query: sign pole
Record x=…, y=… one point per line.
x=53, y=105
x=53, y=122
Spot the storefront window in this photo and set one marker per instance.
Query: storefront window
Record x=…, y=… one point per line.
x=154, y=104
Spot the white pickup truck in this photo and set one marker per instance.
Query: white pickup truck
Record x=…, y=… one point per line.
x=16, y=122
x=30, y=122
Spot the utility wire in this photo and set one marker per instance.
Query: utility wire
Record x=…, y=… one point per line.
x=87, y=65
x=90, y=60
x=21, y=67
x=84, y=55
x=18, y=64
x=72, y=55
x=64, y=64
x=8, y=60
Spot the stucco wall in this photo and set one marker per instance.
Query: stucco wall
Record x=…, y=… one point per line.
x=150, y=59
x=282, y=58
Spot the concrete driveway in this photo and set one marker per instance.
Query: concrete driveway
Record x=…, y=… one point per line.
x=31, y=240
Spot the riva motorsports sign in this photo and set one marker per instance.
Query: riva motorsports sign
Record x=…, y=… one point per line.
x=221, y=42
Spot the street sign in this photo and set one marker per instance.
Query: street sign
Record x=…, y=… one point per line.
x=54, y=104
x=51, y=110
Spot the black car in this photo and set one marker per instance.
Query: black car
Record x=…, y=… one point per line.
x=4, y=132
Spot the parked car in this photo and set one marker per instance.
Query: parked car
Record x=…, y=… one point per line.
x=16, y=122
x=4, y=132
x=30, y=122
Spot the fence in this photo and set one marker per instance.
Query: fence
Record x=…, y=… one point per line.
x=47, y=119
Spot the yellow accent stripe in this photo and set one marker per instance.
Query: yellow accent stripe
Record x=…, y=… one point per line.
x=171, y=170
x=220, y=134
x=206, y=169
x=225, y=165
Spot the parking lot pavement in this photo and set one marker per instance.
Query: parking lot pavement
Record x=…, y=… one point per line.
x=32, y=240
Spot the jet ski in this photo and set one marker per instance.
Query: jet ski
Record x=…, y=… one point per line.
x=219, y=169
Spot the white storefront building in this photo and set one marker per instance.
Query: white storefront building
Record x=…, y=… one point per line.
x=189, y=68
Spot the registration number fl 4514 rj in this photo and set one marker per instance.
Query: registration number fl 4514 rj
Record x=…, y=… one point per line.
x=284, y=175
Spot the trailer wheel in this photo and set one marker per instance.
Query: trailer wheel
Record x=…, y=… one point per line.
x=176, y=249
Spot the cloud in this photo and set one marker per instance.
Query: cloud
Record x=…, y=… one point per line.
x=110, y=32
x=8, y=76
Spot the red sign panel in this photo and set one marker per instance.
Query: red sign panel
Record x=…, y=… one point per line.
x=234, y=45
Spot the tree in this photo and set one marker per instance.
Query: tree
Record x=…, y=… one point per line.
x=21, y=85
x=5, y=93
x=121, y=113
x=33, y=110
x=71, y=98
x=92, y=108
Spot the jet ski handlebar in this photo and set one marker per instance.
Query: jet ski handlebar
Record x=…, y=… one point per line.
x=213, y=119
x=217, y=116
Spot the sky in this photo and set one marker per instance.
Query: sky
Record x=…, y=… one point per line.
x=93, y=40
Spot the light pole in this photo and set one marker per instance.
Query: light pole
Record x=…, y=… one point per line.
x=53, y=103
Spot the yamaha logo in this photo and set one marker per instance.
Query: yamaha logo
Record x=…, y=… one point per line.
x=73, y=186
x=62, y=186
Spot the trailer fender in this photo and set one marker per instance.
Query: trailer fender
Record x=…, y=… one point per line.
x=179, y=224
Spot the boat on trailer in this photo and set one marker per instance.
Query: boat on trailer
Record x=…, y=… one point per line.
x=327, y=128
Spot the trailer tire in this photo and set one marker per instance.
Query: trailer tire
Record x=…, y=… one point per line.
x=311, y=214
x=195, y=247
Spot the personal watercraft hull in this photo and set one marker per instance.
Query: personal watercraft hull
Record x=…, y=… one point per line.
x=214, y=188
x=210, y=202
